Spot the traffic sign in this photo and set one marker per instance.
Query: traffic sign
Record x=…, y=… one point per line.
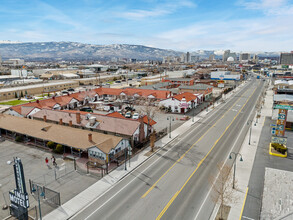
x=286, y=107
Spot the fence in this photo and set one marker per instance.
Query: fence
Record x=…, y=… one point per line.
x=52, y=197
x=48, y=196
x=54, y=173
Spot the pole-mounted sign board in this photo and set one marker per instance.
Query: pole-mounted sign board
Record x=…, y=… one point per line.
x=19, y=197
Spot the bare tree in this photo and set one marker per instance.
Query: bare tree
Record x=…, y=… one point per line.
x=152, y=140
x=149, y=110
x=222, y=188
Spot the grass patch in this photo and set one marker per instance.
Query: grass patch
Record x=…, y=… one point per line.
x=17, y=102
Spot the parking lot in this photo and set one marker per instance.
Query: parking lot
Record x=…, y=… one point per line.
x=62, y=179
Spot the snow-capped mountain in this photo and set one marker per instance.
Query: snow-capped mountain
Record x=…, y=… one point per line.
x=80, y=51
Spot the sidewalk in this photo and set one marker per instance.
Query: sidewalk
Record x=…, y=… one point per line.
x=244, y=168
x=84, y=198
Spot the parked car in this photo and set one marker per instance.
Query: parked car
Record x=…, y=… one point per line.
x=128, y=115
x=129, y=79
x=118, y=81
x=135, y=115
x=70, y=90
x=64, y=92
x=86, y=109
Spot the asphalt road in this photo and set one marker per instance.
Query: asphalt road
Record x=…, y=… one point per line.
x=174, y=183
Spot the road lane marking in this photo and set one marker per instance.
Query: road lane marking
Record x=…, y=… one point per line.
x=199, y=164
x=243, y=204
x=248, y=218
x=264, y=121
x=154, y=185
x=202, y=204
x=92, y=202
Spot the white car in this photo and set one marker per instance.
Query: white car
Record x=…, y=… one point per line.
x=135, y=115
x=128, y=115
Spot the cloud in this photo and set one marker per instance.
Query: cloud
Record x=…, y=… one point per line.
x=269, y=7
x=249, y=34
x=161, y=10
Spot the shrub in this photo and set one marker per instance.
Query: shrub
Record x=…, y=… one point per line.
x=59, y=148
x=18, y=138
x=279, y=147
x=51, y=144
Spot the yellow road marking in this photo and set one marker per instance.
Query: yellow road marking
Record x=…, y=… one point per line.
x=243, y=204
x=154, y=185
x=199, y=164
x=264, y=121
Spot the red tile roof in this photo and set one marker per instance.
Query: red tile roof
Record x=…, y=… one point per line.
x=145, y=120
x=187, y=95
x=116, y=115
x=80, y=96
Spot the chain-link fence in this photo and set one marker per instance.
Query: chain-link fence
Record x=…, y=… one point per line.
x=54, y=173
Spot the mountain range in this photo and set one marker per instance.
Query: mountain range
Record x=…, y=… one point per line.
x=37, y=51
x=80, y=51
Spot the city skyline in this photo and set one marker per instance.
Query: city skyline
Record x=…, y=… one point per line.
x=177, y=25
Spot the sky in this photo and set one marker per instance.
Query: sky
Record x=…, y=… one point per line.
x=182, y=25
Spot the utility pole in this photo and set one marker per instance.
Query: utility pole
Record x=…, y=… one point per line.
x=171, y=118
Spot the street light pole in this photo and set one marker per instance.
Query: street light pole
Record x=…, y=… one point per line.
x=234, y=173
x=171, y=118
x=249, y=131
x=125, y=158
x=39, y=201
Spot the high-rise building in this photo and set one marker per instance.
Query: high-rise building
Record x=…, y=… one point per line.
x=255, y=58
x=183, y=58
x=226, y=55
x=212, y=57
x=286, y=58
x=244, y=57
x=194, y=59
x=187, y=57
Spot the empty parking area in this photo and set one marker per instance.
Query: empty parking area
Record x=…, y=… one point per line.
x=61, y=178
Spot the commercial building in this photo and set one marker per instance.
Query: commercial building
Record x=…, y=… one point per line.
x=181, y=103
x=99, y=147
x=179, y=81
x=11, y=93
x=224, y=75
x=286, y=58
x=204, y=89
x=244, y=57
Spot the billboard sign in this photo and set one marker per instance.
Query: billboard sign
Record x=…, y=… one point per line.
x=183, y=105
x=286, y=107
x=279, y=140
x=281, y=122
